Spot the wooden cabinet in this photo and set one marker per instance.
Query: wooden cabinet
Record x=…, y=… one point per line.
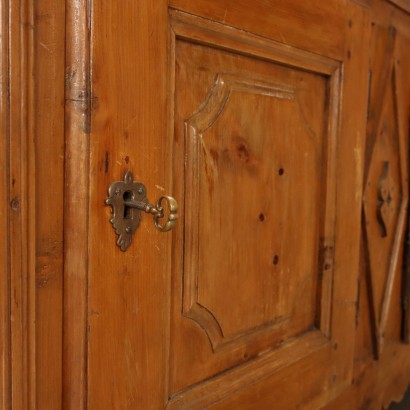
x=281, y=129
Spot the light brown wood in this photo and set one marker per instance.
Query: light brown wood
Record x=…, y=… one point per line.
x=282, y=132
x=371, y=387
x=385, y=179
x=49, y=135
x=21, y=197
x=76, y=200
x=403, y=4
x=5, y=376
x=128, y=293
x=283, y=22
x=225, y=171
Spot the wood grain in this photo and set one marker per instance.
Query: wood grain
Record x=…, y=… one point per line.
x=278, y=287
x=49, y=135
x=370, y=388
x=311, y=25
x=76, y=199
x=385, y=144
x=22, y=204
x=197, y=66
x=403, y=4
x=128, y=303
x=5, y=374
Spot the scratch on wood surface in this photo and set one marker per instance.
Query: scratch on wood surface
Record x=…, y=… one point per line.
x=131, y=122
x=47, y=47
x=161, y=188
x=358, y=162
x=106, y=161
x=225, y=14
x=94, y=312
x=282, y=37
x=346, y=302
x=132, y=364
x=69, y=76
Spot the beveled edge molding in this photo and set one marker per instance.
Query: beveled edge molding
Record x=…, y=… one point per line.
x=402, y=4
x=228, y=383
x=195, y=126
x=199, y=30
x=216, y=35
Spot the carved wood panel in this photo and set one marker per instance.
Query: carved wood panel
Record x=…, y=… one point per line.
x=233, y=164
x=255, y=153
x=385, y=195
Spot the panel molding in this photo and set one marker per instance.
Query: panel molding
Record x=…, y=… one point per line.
x=228, y=383
x=196, y=125
x=201, y=31
x=402, y=4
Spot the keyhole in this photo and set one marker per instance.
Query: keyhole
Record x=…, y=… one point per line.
x=128, y=196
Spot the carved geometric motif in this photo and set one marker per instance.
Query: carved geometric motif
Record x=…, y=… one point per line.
x=385, y=191
x=230, y=99
x=196, y=126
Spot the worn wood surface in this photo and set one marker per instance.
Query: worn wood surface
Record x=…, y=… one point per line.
x=309, y=25
x=128, y=293
x=281, y=130
x=5, y=376
x=21, y=203
x=235, y=239
x=381, y=375
x=76, y=200
x=49, y=43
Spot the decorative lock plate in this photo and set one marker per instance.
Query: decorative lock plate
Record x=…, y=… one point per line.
x=128, y=198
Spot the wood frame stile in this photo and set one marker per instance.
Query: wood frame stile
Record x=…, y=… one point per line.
x=17, y=205
x=21, y=26
x=77, y=150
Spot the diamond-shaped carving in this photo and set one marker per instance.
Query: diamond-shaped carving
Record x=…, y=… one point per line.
x=384, y=204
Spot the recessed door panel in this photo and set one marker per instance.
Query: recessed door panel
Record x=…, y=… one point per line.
x=255, y=153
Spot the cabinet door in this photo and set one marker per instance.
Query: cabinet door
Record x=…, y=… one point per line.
x=255, y=151
x=234, y=109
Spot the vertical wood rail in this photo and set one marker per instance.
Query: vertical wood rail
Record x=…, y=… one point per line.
x=18, y=307
x=77, y=131
x=5, y=385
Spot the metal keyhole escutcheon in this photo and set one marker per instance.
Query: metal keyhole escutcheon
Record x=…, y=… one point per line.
x=128, y=199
